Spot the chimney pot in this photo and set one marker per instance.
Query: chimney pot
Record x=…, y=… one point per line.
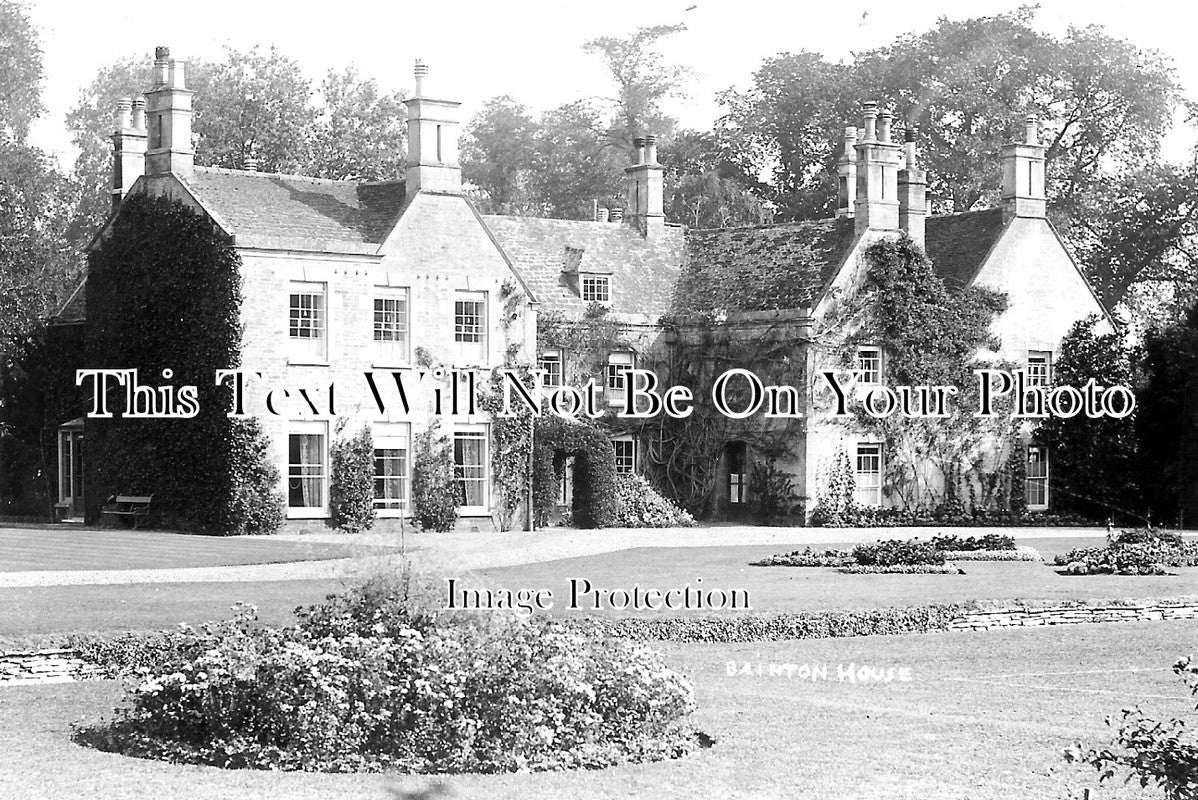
x=884, y=120
x=601, y=215
x=650, y=149
x=421, y=72
x=139, y=114
x=869, y=110
x=251, y=164
x=122, y=118
x=1031, y=132
x=616, y=215
x=909, y=146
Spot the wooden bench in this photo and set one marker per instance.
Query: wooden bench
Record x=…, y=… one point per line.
x=132, y=507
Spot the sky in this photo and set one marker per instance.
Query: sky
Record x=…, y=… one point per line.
x=531, y=49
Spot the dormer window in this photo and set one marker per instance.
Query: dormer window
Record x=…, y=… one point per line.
x=596, y=289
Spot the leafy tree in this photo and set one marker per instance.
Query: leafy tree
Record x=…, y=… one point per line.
x=703, y=189
x=643, y=80
x=20, y=72
x=1094, y=461
x=789, y=126
x=497, y=153
x=574, y=163
x=1167, y=419
x=360, y=131
x=255, y=104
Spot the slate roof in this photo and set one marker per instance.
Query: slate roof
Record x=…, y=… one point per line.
x=268, y=210
x=643, y=271
x=764, y=267
x=959, y=243
x=75, y=308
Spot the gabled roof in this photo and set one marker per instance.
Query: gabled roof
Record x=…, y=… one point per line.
x=764, y=267
x=643, y=271
x=75, y=308
x=959, y=243
x=268, y=210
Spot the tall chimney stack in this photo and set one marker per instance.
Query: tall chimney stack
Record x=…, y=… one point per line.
x=646, y=189
x=846, y=175
x=432, y=141
x=912, y=193
x=876, y=205
x=168, y=118
x=128, y=147
x=1023, y=186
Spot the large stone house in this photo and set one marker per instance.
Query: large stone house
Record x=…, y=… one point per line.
x=342, y=277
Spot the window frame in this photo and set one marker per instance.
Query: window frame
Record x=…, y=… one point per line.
x=1040, y=480
x=479, y=432
x=471, y=352
x=631, y=459
x=598, y=286
x=309, y=428
x=385, y=353
x=615, y=390
x=393, y=436
x=299, y=348
x=864, y=376
x=552, y=355
x=870, y=495
x=1042, y=358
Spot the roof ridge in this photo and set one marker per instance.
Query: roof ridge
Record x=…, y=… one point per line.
x=767, y=225
x=259, y=174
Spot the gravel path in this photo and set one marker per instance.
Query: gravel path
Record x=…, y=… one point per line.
x=463, y=551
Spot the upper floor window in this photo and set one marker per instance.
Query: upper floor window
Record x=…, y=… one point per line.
x=1036, y=492
x=391, y=325
x=868, y=473
x=616, y=377
x=869, y=364
x=551, y=362
x=1039, y=367
x=470, y=326
x=307, y=322
x=596, y=289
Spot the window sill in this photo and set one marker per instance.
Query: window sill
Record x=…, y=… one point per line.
x=390, y=513
x=474, y=511
x=307, y=362
x=391, y=365
x=307, y=513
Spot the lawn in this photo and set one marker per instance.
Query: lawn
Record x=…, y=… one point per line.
x=985, y=716
x=46, y=548
x=786, y=588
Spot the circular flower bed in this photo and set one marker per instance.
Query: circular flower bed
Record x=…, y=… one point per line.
x=364, y=684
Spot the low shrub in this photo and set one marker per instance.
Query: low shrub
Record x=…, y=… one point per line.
x=353, y=687
x=434, y=490
x=1149, y=536
x=893, y=552
x=1135, y=552
x=639, y=505
x=782, y=626
x=351, y=490
x=944, y=516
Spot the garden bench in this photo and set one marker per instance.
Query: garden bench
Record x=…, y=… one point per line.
x=134, y=507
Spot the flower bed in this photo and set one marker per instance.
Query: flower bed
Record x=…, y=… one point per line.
x=902, y=569
x=1019, y=553
x=1132, y=552
x=364, y=684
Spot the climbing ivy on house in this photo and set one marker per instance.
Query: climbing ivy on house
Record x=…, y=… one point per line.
x=164, y=297
x=930, y=334
x=556, y=439
x=434, y=490
x=351, y=490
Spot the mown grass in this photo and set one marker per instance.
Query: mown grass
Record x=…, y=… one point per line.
x=985, y=716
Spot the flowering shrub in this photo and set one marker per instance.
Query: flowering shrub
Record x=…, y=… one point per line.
x=901, y=569
x=1132, y=552
x=1020, y=553
x=1152, y=752
x=808, y=558
x=351, y=491
x=896, y=551
x=434, y=490
x=638, y=505
x=354, y=688
x=989, y=541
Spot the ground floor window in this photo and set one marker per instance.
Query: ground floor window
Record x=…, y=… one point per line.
x=391, y=468
x=307, y=466
x=1036, y=493
x=869, y=474
x=470, y=466
x=625, y=449
x=738, y=468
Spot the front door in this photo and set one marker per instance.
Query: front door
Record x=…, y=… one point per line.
x=70, y=472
